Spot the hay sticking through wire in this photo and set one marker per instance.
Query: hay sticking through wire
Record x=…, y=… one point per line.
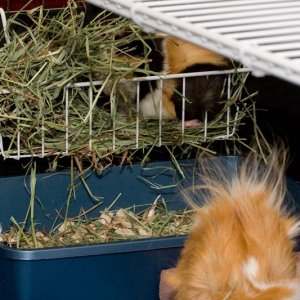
x=38, y=66
x=156, y=220
x=40, y=61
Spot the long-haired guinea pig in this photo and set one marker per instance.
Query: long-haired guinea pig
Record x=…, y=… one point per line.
x=241, y=246
x=201, y=93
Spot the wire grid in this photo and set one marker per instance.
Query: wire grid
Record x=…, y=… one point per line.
x=91, y=89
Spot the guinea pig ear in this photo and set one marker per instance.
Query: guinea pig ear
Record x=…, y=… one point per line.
x=168, y=284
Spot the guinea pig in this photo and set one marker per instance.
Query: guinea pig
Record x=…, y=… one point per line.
x=241, y=246
x=170, y=55
x=202, y=93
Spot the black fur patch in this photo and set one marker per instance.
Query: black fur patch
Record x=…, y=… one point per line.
x=201, y=93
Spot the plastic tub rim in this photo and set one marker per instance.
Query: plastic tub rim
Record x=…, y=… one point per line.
x=92, y=249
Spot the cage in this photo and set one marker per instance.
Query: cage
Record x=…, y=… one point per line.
x=118, y=270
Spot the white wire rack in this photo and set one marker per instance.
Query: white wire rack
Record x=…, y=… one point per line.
x=230, y=120
x=264, y=35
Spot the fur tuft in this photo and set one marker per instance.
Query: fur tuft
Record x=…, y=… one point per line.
x=241, y=246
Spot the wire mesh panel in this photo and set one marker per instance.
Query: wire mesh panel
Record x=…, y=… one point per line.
x=95, y=121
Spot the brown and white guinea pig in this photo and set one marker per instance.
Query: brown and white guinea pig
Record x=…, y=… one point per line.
x=241, y=246
x=201, y=93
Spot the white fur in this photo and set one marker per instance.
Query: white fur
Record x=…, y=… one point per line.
x=250, y=270
x=150, y=105
x=251, y=267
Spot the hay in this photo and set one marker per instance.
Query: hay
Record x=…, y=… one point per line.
x=39, y=66
x=40, y=61
x=156, y=220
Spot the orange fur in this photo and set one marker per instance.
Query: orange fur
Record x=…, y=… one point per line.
x=180, y=54
x=168, y=90
x=241, y=246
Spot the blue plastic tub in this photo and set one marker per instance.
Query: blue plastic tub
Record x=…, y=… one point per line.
x=122, y=270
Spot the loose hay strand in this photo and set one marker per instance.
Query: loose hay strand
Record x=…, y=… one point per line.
x=32, y=202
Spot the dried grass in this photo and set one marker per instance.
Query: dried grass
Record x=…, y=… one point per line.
x=40, y=63
x=155, y=220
